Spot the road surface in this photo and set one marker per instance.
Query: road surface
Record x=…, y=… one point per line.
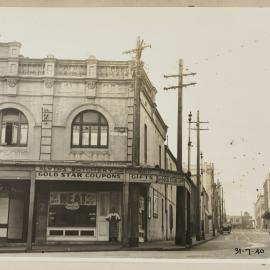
x=251, y=244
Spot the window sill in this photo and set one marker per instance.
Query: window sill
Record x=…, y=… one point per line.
x=92, y=150
x=14, y=148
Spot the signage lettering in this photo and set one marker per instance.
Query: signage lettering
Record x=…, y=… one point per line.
x=142, y=178
x=107, y=174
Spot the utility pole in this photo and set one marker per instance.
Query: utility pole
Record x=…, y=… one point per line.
x=220, y=207
x=180, y=87
x=202, y=199
x=222, y=213
x=189, y=141
x=140, y=46
x=213, y=206
x=131, y=190
x=241, y=220
x=198, y=214
x=182, y=234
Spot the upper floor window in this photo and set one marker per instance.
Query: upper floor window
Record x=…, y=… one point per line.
x=89, y=129
x=159, y=154
x=145, y=143
x=13, y=128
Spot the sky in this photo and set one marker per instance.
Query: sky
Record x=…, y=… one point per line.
x=228, y=48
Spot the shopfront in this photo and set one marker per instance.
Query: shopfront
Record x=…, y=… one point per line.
x=75, y=211
x=66, y=203
x=13, y=210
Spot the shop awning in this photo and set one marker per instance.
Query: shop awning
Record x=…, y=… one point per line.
x=266, y=215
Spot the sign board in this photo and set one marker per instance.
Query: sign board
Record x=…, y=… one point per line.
x=145, y=178
x=79, y=173
x=108, y=174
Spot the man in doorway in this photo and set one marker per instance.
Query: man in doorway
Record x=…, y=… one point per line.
x=113, y=218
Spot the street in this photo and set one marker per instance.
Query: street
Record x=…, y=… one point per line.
x=222, y=247
x=250, y=244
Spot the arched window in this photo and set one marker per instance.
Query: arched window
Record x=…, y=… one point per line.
x=89, y=129
x=13, y=128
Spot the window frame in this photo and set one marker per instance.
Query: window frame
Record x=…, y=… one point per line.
x=19, y=123
x=145, y=143
x=155, y=203
x=90, y=125
x=159, y=156
x=171, y=217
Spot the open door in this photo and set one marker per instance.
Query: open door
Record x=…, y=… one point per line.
x=15, y=219
x=4, y=208
x=103, y=209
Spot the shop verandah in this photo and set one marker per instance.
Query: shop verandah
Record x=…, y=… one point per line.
x=53, y=193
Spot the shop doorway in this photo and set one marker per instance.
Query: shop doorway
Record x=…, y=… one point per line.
x=142, y=219
x=13, y=211
x=4, y=208
x=103, y=209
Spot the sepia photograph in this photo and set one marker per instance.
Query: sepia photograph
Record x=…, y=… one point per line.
x=134, y=134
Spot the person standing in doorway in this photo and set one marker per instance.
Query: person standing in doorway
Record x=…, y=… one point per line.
x=113, y=218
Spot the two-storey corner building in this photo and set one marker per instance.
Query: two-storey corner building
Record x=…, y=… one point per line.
x=67, y=149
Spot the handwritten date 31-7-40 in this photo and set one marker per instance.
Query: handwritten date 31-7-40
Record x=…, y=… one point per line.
x=248, y=251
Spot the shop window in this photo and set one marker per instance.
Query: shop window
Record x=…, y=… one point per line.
x=13, y=128
x=155, y=203
x=72, y=209
x=89, y=129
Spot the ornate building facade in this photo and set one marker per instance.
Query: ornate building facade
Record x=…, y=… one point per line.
x=67, y=152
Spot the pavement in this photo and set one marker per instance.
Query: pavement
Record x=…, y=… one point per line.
x=240, y=244
x=102, y=247
x=218, y=253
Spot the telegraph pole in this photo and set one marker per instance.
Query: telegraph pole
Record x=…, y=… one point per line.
x=189, y=141
x=140, y=46
x=182, y=235
x=131, y=190
x=213, y=206
x=202, y=199
x=180, y=87
x=222, y=213
x=199, y=188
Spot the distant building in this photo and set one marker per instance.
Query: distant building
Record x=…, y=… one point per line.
x=210, y=197
x=235, y=221
x=266, y=214
x=209, y=200
x=244, y=221
x=259, y=211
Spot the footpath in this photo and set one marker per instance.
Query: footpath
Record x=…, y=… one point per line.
x=103, y=246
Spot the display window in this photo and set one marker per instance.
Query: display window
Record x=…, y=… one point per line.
x=72, y=209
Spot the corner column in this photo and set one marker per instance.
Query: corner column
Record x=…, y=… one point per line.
x=125, y=215
x=31, y=212
x=134, y=215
